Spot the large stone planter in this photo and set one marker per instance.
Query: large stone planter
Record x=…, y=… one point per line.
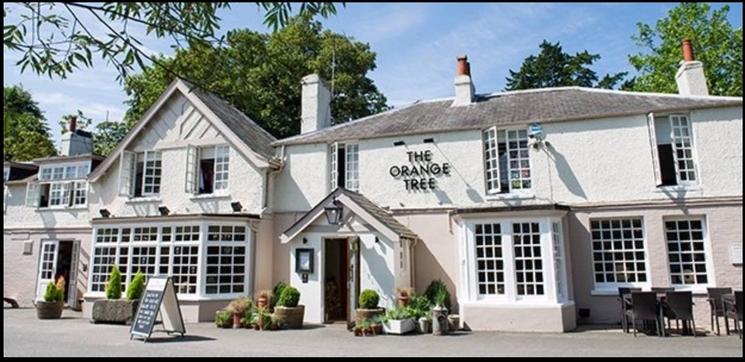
x=290, y=317
x=114, y=311
x=367, y=314
x=399, y=326
x=49, y=310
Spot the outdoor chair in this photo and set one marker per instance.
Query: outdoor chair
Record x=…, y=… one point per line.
x=716, y=305
x=679, y=306
x=644, y=308
x=663, y=289
x=625, y=306
x=733, y=309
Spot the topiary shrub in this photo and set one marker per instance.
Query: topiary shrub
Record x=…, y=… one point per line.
x=276, y=293
x=223, y=319
x=53, y=294
x=136, y=287
x=369, y=299
x=289, y=298
x=435, y=288
x=114, y=285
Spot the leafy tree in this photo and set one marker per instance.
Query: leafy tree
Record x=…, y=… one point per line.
x=54, y=38
x=260, y=75
x=552, y=67
x=26, y=135
x=716, y=43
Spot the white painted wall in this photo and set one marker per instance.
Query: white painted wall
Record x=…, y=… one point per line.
x=175, y=126
x=17, y=215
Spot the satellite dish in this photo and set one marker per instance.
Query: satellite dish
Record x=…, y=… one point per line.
x=535, y=131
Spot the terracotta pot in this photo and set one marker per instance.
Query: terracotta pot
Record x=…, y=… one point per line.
x=261, y=302
x=367, y=314
x=49, y=310
x=236, y=320
x=377, y=329
x=357, y=332
x=403, y=300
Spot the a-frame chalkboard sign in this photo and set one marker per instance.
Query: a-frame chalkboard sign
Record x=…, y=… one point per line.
x=160, y=296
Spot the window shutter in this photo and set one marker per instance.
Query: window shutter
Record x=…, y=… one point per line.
x=491, y=161
x=653, y=147
x=32, y=194
x=69, y=190
x=333, y=166
x=192, y=167
x=126, y=173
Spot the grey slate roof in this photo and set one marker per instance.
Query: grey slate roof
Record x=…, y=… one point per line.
x=245, y=128
x=380, y=214
x=519, y=107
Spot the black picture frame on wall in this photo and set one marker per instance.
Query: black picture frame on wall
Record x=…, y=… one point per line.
x=304, y=260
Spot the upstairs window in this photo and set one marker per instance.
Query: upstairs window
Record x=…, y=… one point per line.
x=672, y=141
x=345, y=166
x=140, y=174
x=207, y=169
x=506, y=161
x=59, y=187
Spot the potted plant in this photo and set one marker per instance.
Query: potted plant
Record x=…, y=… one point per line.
x=52, y=305
x=288, y=312
x=237, y=309
x=261, y=319
x=419, y=308
x=113, y=309
x=368, y=303
x=440, y=314
x=276, y=293
x=398, y=321
x=263, y=299
x=223, y=319
x=404, y=296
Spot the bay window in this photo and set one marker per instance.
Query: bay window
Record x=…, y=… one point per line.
x=344, y=166
x=506, y=161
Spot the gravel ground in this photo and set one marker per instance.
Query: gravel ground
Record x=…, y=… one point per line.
x=24, y=335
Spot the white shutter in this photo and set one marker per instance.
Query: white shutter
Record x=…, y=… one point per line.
x=491, y=161
x=32, y=194
x=653, y=147
x=192, y=166
x=126, y=173
x=68, y=189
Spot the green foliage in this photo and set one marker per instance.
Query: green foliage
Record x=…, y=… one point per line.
x=437, y=293
x=289, y=298
x=223, y=319
x=114, y=284
x=136, y=286
x=263, y=315
x=369, y=299
x=239, y=306
x=715, y=42
x=555, y=68
x=397, y=313
x=276, y=293
x=419, y=306
x=107, y=136
x=26, y=135
x=260, y=75
x=53, y=293
x=54, y=38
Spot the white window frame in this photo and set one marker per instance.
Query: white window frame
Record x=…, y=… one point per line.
x=65, y=181
x=227, y=243
x=146, y=156
x=612, y=288
x=488, y=164
x=691, y=148
x=222, y=168
x=710, y=274
x=351, y=175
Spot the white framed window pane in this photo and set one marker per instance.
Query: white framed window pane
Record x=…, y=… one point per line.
x=558, y=258
x=226, y=269
x=526, y=240
x=57, y=194
x=145, y=234
x=682, y=142
x=46, y=174
x=83, y=171
x=152, y=172
x=491, y=161
x=222, y=164
x=518, y=159
x=81, y=192
x=489, y=259
x=352, y=167
x=333, y=174
x=47, y=260
x=186, y=233
x=686, y=252
x=184, y=268
x=58, y=173
x=618, y=251
x=107, y=235
x=103, y=259
x=143, y=259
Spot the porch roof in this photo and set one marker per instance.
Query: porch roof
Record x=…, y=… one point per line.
x=361, y=206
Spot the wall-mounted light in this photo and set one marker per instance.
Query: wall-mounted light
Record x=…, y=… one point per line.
x=333, y=213
x=237, y=207
x=305, y=241
x=163, y=210
x=429, y=140
x=399, y=143
x=104, y=213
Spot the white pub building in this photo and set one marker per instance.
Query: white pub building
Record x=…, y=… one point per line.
x=532, y=206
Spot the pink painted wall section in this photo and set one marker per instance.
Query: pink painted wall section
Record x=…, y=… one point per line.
x=724, y=225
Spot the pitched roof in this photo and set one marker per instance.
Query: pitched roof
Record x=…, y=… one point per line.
x=508, y=108
x=366, y=209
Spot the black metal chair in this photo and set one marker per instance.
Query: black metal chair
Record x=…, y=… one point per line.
x=625, y=306
x=644, y=308
x=733, y=309
x=716, y=305
x=663, y=289
x=679, y=306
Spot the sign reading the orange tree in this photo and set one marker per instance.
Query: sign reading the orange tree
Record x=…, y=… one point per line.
x=160, y=297
x=421, y=174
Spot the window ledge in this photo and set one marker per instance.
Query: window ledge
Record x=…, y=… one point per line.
x=510, y=196
x=209, y=197
x=679, y=188
x=143, y=200
x=493, y=303
x=54, y=209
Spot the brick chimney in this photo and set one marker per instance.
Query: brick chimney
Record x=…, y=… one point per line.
x=315, y=104
x=464, y=88
x=75, y=141
x=690, y=76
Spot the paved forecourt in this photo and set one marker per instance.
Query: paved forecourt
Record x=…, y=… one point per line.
x=25, y=335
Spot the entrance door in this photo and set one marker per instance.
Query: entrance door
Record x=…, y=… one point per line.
x=353, y=279
x=336, y=271
x=47, y=266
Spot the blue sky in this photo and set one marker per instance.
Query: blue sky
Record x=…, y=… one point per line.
x=416, y=46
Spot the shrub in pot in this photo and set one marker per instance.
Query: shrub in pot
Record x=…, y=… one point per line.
x=223, y=319
x=52, y=305
x=237, y=309
x=261, y=319
x=398, y=321
x=113, y=309
x=368, y=303
x=420, y=309
x=262, y=301
x=276, y=293
x=287, y=311
x=440, y=313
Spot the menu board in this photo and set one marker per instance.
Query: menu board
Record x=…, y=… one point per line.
x=160, y=297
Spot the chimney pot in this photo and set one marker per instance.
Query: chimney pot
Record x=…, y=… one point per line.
x=463, y=67
x=687, y=50
x=73, y=124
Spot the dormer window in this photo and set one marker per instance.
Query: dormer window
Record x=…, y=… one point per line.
x=207, y=169
x=59, y=187
x=140, y=174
